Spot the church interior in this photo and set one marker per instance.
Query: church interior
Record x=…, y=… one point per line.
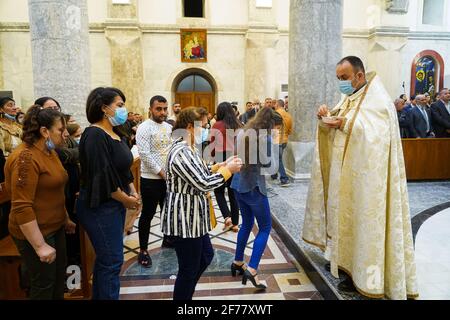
x=200, y=53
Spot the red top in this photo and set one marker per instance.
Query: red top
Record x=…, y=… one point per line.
x=219, y=139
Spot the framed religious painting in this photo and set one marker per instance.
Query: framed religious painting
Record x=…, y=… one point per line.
x=193, y=45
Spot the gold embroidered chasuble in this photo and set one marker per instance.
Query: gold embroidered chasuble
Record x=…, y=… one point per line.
x=357, y=207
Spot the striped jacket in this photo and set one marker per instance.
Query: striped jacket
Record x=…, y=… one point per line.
x=186, y=209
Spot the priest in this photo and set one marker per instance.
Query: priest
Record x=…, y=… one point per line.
x=357, y=208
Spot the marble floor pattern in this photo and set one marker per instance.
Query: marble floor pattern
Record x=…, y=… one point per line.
x=284, y=277
x=432, y=245
x=433, y=257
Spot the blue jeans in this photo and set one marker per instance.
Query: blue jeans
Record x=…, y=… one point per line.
x=104, y=226
x=281, y=170
x=194, y=256
x=253, y=205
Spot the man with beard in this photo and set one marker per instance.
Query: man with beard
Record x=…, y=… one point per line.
x=153, y=139
x=357, y=208
x=176, y=108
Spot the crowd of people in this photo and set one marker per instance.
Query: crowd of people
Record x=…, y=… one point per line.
x=420, y=117
x=60, y=176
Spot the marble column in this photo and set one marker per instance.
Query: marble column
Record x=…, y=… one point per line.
x=315, y=46
x=60, y=52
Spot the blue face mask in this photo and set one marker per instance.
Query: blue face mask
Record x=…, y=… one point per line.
x=345, y=86
x=50, y=145
x=12, y=118
x=120, y=117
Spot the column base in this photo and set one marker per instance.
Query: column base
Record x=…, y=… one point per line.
x=298, y=159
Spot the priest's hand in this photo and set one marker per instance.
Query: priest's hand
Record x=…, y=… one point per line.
x=336, y=124
x=323, y=111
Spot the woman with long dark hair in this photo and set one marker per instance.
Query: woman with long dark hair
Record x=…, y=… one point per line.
x=250, y=189
x=106, y=187
x=223, y=147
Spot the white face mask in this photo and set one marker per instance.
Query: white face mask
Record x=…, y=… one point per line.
x=77, y=140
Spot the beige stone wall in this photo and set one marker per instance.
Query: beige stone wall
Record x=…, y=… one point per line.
x=162, y=65
x=17, y=66
x=137, y=47
x=101, y=71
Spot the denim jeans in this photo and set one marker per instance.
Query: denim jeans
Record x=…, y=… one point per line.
x=253, y=205
x=104, y=226
x=281, y=170
x=194, y=256
x=47, y=281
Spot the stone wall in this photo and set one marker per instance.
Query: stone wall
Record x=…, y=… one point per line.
x=248, y=52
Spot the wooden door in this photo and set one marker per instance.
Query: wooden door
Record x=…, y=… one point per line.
x=205, y=100
x=196, y=99
x=185, y=99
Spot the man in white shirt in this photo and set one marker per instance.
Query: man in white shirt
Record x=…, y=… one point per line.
x=153, y=139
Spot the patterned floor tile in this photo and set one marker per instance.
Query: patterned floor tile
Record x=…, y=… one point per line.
x=278, y=269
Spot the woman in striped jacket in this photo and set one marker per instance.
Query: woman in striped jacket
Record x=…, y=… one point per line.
x=185, y=216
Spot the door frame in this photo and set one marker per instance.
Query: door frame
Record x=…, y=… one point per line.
x=191, y=71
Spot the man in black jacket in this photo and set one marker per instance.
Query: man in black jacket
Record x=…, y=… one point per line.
x=440, y=113
x=403, y=119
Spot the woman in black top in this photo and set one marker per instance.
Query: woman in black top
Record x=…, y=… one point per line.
x=106, y=187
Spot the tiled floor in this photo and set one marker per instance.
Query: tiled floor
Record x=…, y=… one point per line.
x=432, y=240
x=433, y=257
x=284, y=278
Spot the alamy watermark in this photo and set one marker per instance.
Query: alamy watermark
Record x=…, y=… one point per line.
x=253, y=147
x=74, y=279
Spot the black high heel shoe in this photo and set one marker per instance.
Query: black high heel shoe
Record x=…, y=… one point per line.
x=235, y=267
x=249, y=276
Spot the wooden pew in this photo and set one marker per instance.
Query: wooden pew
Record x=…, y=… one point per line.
x=427, y=159
x=132, y=215
x=10, y=261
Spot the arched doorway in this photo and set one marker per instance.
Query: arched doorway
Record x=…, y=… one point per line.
x=427, y=73
x=195, y=88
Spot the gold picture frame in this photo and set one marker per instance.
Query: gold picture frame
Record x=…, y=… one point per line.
x=193, y=45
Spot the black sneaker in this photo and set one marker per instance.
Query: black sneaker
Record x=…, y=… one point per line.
x=274, y=176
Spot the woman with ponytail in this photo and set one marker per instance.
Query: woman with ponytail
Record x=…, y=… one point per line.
x=35, y=178
x=251, y=193
x=106, y=187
